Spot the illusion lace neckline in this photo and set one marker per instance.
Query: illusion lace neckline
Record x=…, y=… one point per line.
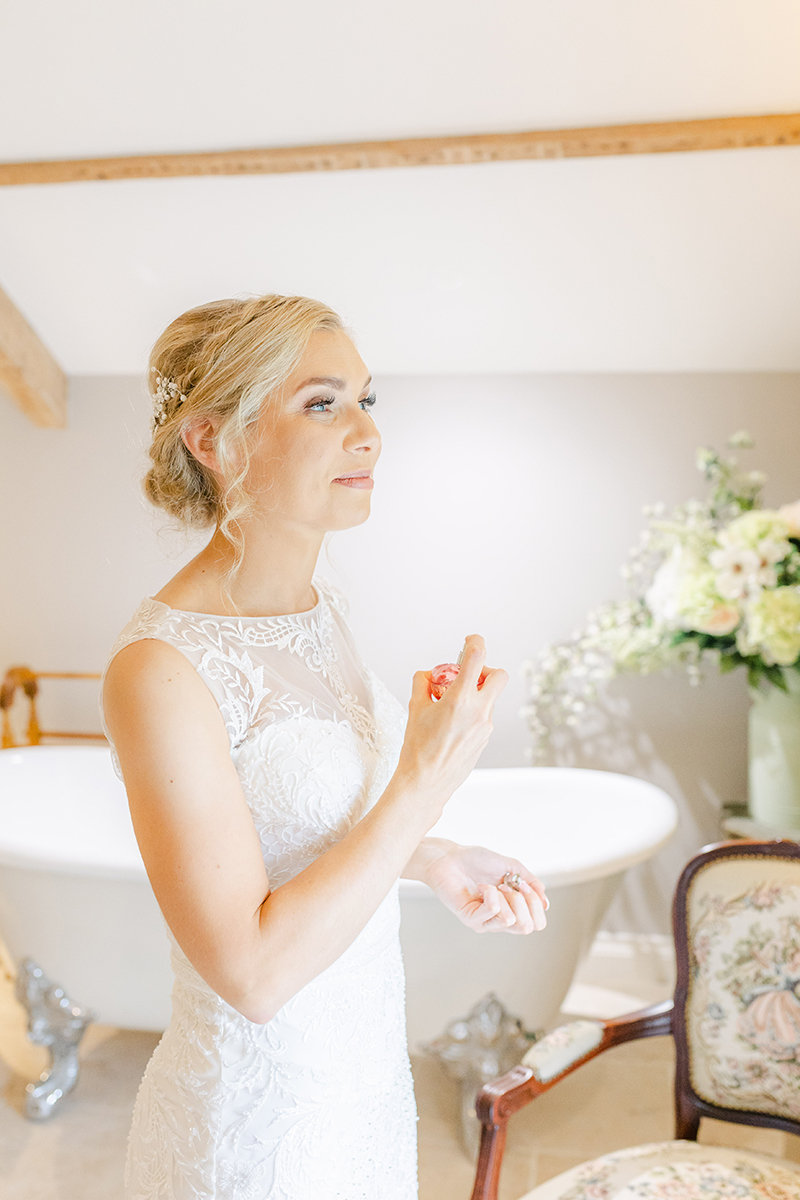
x=308, y=613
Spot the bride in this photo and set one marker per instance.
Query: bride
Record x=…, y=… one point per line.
x=277, y=790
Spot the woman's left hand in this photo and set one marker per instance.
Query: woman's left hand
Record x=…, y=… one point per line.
x=469, y=881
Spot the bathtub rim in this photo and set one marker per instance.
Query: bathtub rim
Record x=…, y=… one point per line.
x=665, y=822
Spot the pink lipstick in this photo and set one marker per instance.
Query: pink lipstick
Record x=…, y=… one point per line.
x=358, y=479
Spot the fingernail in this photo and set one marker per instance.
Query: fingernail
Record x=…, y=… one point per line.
x=525, y=886
x=546, y=904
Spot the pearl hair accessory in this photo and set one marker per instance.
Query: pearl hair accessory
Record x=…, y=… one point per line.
x=166, y=397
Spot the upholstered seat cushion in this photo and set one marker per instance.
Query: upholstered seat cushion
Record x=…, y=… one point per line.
x=675, y=1171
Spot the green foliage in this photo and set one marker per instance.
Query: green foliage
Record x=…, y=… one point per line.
x=729, y=658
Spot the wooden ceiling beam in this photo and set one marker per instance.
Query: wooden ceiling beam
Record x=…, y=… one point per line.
x=726, y=133
x=28, y=372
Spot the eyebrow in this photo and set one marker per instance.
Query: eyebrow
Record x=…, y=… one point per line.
x=330, y=381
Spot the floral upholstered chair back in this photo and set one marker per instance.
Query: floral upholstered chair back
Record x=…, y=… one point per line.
x=737, y=918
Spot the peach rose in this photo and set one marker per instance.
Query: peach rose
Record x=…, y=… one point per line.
x=722, y=619
x=791, y=515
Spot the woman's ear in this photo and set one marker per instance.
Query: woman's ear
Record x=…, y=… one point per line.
x=199, y=438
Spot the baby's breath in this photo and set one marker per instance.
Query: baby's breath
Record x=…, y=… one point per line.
x=167, y=399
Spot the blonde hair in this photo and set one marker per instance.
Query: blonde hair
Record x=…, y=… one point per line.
x=221, y=360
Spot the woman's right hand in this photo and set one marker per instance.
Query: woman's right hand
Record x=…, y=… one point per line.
x=445, y=738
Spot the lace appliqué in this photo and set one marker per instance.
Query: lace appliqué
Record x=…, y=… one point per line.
x=226, y=652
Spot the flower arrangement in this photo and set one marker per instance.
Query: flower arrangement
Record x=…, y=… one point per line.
x=715, y=580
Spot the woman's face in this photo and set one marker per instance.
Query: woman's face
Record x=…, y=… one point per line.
x=316, y=444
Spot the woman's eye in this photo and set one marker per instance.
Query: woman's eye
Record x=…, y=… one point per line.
x=324, y=404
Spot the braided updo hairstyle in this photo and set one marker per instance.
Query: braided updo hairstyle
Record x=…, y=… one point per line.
x=221, y=360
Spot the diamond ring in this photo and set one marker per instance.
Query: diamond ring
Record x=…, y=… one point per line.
x=513, y=879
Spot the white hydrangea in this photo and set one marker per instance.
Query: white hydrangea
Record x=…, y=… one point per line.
x=751, y=529
x=773, y=625
x=662, y=595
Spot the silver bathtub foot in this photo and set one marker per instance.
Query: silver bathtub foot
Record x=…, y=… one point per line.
x=474, y=1049
x=57, y=1022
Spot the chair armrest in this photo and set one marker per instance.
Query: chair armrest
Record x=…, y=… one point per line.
x=548, y=1062
x=563, y=1051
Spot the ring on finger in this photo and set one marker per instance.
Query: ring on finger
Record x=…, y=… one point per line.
x=513, y=879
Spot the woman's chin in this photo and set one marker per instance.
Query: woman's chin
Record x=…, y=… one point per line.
x=357, y=515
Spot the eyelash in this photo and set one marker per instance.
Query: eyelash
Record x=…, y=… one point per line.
x=329, y=400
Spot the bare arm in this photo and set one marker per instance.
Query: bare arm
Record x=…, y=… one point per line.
x=257, y=948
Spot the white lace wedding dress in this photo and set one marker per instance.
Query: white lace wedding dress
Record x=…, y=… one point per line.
x=318, y=1103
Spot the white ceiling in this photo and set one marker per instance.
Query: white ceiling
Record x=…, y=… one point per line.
x=670, y=262
x=97, y=77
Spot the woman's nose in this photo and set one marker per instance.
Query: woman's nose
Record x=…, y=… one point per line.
x=363, y=436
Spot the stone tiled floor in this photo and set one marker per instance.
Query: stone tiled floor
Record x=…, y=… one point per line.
x=620, y=1099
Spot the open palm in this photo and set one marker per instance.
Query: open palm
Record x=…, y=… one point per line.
x=468, y=881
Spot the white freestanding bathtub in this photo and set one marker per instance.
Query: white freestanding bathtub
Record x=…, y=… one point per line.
x=74, y=896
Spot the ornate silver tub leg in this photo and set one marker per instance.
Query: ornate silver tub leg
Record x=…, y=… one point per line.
x=57, y=1022
x=474, y=1049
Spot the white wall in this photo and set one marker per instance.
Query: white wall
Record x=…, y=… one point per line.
x=503, y=505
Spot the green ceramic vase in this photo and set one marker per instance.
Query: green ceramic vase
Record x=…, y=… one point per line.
x=774, y=754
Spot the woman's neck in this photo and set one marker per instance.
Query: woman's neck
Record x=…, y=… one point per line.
x=274, y=577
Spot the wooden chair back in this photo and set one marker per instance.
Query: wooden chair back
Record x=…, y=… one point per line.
x=736, y=1018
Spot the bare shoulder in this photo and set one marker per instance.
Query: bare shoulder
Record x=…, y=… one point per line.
x=154, y=698
x=145, y=658
x=144, y=662
x=147, y=670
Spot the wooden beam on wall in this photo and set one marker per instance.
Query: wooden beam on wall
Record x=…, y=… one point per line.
x=726, y=133
x=28, y=372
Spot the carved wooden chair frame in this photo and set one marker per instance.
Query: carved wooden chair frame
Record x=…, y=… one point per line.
x=501, y=1098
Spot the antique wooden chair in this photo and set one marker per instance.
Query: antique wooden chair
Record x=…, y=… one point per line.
x=735, y=1019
